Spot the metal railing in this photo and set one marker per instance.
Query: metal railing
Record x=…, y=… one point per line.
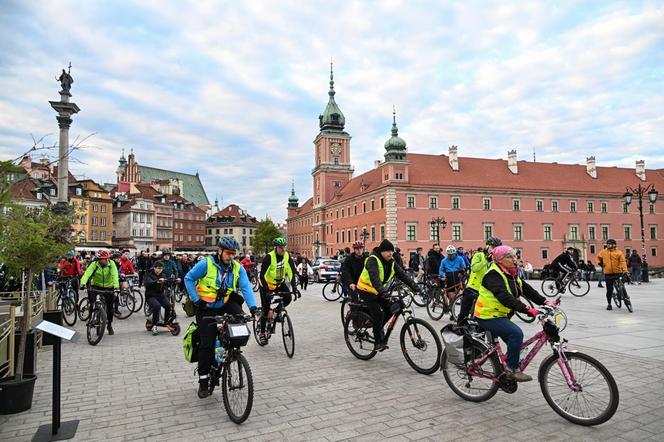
x=7, y=331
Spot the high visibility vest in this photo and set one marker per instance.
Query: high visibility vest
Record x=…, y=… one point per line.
x=482, y=265
x=278, y=271
x=364, y=282
x=487, y=305
x=208, y=285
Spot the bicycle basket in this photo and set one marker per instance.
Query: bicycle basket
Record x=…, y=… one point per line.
x=235, y=335
x=453, y=339
x=191, y=342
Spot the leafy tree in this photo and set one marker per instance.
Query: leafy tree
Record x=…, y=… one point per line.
x=30, y=240
x=265, y=232
x=7, y=168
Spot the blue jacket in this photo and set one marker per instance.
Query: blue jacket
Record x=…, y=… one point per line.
x=200, y=270
x=170, y=268
x=448, y=265
x=465, y=259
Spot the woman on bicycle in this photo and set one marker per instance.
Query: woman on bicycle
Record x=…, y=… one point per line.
x=154, y=295
x=498, y=298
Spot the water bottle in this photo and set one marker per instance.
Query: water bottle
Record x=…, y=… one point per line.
x=218, y=351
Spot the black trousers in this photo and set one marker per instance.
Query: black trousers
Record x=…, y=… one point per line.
x=266, y=300
x=469, y=297
x=304, y=281
x=108, y=298
x=156, y=303
x=379, y=310
x=610, y=279
x=207, y=329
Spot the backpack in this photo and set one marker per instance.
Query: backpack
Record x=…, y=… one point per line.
x=191, y=343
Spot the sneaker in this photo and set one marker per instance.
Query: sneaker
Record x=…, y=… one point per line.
x=262, y=339
x=155, y=332
x=608, y=307
x=382, y=347
x=203, y=388
x=517, y=376
x=110, y=330
x=600, y=286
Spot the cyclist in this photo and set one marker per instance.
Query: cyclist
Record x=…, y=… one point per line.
x=277, y=268
x=352, y=268
x=562, y=266
x=154, y=295
x=379, y=269
x=612, y=261
x=433, y=260
x=212, y=286
x=170, y=267
x=498, y=299
x=478, y=268
x=102, y=274
x=70, y=267
x=451, y=266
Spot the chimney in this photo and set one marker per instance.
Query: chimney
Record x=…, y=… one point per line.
x=641, y=169
x=511, y=162
x=376, y=163
x=591, y=169
x=454, y=158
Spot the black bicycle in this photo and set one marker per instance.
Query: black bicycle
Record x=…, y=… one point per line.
x=97, y=320
x=553, y=287
x=66, y=300
x=234, y=372
x=619, y=294
x=278, y=315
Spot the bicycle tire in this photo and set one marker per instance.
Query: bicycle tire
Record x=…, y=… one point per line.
x=147, y=310
x=73, y=295
x=69, y=312
x=579, y=287
x=358, y=329
x=345, y=310
x=97, y=323
x=215, y=375
x=288, y=335
x=450, y=306
x=415, y=328
x=525, y=317
x=456, y=307
x=178, y=294
x=435, y=307
x=236, y=385
x=331, y=293
x=617, y=299
x=84, y=309
x=126, y=304
x=453, y=373
x=607, y=413
x=138, y=297
x=255, y=327
x=549, y=287
x=421, y=299
x=627, y=301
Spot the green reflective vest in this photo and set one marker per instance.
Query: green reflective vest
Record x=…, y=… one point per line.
x=364, y=283
x=487, y=305
x=278, y=271
x=478, y=268
x=208, y=285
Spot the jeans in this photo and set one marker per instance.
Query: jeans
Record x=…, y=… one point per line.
x=635, y=273
x=508, y=332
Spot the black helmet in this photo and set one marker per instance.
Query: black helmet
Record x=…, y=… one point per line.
x=494, y=241
x=611, y=242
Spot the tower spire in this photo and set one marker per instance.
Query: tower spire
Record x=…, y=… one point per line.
x=395, y=129
x=331, y=92
x=332, y=118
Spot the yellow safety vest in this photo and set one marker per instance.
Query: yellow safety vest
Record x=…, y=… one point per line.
x=481, y=264
x=208, y=285
x=487, y=305
x=278, y=271
x=364, y=283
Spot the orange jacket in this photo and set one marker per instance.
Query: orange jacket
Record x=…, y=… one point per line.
x=612, y=262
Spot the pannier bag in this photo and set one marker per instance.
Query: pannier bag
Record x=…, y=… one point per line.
x=191, y=342
x=453, y=339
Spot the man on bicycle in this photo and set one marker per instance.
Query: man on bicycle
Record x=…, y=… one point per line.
x=352, y=268
x=451, y=267
x=562, y=266
x=212, y=285
x=612, y=261
x=277, y=268
x=379, y=269
x=103, y=275
x=478, y=268
x=70, y=267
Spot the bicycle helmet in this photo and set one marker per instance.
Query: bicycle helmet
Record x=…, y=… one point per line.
x=611, y=242
x=493, y=241
x=116, y=255
x=358, y=245
x=279, y=241
x=71, y=254
x=450, y=250
x=103, y=254
x=228, y=243
x=166, y=252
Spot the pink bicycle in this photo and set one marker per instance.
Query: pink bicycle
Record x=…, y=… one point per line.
x=582, y=391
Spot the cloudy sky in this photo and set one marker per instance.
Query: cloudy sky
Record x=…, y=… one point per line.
x=233, y=89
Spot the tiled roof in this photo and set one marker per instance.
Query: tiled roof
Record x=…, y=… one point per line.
x=234, y=212
x=193, y=188
x=22, y=190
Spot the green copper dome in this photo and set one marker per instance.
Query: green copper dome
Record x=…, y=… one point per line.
x=395, y=146
x=122, y=163
x=293, y=199
x=332, y=118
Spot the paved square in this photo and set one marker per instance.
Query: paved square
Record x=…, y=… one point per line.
x=134, y=386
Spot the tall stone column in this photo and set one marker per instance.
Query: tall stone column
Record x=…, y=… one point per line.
x=65, y=110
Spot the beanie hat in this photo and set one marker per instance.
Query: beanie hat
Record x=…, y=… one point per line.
x=386, y=246
x=500, y=252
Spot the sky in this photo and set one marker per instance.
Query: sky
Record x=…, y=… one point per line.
x=232, y=89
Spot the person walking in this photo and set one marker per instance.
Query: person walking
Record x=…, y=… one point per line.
x=634, y=262
x=303, y=271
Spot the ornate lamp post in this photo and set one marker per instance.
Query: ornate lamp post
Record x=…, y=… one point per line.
x=364, y=236
x=639, y=192
x=437, y=222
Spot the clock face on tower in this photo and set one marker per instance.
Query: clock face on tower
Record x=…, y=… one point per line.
x=335, y=148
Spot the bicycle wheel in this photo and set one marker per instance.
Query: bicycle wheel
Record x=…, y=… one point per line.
x=238, y=388
x=84, y=309
x=72, y=294
x=358, y=334
x=596, y=399
x=331, y=291
x=421, y=299
x=472, y=388
x=456, y=307
x=288, y=335
x=617, y=298
x=138, y=297
x=345, y=310
x=69, y=311
x=424, y=348
x=96, y=326
x=255, y=326
x=126, y=303
x=453, y=314
x=549, y=287
x=147, y=310
x=178, y=294
x=627, y=301
x=436, y=307
x=579, y=287
x=525, y=317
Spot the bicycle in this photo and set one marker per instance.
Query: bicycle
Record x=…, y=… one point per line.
x=66, y=300
x=253, y=278
x=333, y=290
x=96, y=324
x=552, y=286
x=620, y=296
x=233, y=370
x=394, y=286
x=477, y=375
x=442, y=299
x=278, y=314
x=125, y=304
x=133, y=287
x=358, y=334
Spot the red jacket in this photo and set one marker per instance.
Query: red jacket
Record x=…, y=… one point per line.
x=247, y=264
x=126, y=267
x=70, y=269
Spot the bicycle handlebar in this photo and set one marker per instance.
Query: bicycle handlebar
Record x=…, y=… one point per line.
x=219, y=319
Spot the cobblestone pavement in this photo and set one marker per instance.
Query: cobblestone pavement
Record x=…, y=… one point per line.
x=134, y=386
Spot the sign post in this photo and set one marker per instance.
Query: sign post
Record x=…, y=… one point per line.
x=56, y=430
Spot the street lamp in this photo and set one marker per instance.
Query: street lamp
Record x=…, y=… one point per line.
x=437, y=222
x=652, y=197
x=364, y=236
x=317, y=243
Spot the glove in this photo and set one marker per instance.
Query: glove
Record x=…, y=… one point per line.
x=550, y=303
x=254, y=311
x=533, y=312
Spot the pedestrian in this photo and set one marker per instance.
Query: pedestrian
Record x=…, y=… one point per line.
x=304, y=270
x=528, y=270
x=634, y=263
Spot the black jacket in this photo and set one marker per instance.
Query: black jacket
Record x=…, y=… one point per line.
x=494, y=282
x=351, y=269
x=399, y=273
x=153, y=288
x=432, y=265
x=564, y=259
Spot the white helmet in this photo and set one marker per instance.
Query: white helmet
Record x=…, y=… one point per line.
x=450, y=250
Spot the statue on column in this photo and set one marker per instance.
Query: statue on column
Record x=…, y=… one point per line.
x=65, y=80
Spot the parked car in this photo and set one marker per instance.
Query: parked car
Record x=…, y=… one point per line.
x=325, y=269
